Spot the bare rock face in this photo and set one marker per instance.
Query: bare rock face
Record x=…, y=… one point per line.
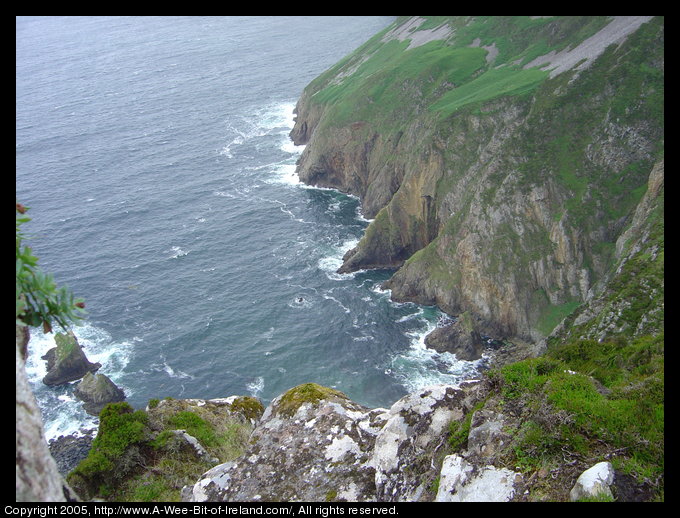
x=415, y=430
x=37, y=476
x=67, y=362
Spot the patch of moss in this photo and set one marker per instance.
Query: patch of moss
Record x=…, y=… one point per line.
x=249, y=407
x=312, y=393
x=66, y=344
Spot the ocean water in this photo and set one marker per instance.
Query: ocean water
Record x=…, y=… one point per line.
x=154, y=155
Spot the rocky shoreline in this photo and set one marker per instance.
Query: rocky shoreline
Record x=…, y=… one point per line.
x=69, y=450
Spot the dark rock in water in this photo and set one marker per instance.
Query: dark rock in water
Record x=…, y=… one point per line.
x=96, y=391
x=66, y=362
x=69, y=450
x=460, y=338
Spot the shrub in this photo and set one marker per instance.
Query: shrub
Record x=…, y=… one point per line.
x=38, y=299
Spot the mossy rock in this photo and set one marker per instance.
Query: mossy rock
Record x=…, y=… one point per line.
x=312, y=393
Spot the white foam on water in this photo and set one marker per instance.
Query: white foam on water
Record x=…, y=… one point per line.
x=275, y=119
x=255, y=387
x=419, y=366
x=412, y=316
x=285, y=174
x=344, y=308
x=63, y=413
x=330, y=263
x=176, y=252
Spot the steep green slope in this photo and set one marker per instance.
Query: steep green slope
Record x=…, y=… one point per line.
x=497, y=187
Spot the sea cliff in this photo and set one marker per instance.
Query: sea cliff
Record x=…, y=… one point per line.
x=513, y=170
x=498, y=168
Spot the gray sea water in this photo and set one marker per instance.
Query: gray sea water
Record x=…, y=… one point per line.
x=154, y=155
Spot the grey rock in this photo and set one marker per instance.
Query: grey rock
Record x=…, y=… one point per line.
x=461, y=481
x=594, y=482
x=317, y=449
x=96, y=391
x=460, y=338
x=414, y=431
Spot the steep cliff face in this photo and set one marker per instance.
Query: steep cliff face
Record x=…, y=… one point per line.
x=501, y=158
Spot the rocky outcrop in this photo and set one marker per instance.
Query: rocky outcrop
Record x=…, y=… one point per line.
x=67, y=362
x=460, y=338
x=462, y=482
x=415, y=430
x=37, y=475
x=315, y=444
x=159, y=450
x=312, y=444
x=96, y=391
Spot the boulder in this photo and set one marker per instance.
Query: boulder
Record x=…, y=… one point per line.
x=594, y=483
x=461, y=481
x=96, y=391
x=67, y=362
x=460, y=338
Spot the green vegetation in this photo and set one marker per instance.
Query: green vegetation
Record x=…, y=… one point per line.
x=38, y=299
x=591, y=401
x=377, y=80
x=551, y=315
x=114, y=451
x=490, y=85
x=137, y=457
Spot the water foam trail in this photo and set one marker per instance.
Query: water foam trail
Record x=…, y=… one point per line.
x=256, y=386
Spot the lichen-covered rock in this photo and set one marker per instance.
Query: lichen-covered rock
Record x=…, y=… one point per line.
x=96, y=391
x=312, y=444
x=461, y=481
x=67, y=362
x=594, y=483
x=315, y=444
x=415, y=429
